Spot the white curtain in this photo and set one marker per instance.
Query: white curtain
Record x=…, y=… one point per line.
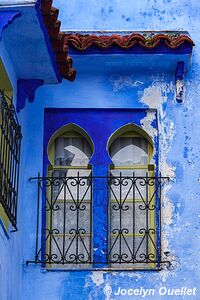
x=73, y=151
x=127, y=151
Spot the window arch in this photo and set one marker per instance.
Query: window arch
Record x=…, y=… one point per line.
x=130, y=146
x=70, y=146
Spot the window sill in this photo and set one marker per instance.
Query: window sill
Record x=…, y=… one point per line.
x=103, y=270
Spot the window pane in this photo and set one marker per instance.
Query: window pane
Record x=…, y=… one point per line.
x=72, y=151
x=126, y=151
x=123, y=187
x=68, y=207
x=69, y=200
x=132, y=204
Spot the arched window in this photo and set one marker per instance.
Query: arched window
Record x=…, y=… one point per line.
x=70, y=148
x=104, y=215
x=130, y=147
x=69, y=200
x=132, y=198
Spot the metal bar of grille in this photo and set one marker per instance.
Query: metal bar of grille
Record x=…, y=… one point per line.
x=10, y=143
x=147, y=220
x=38, y=217
x=133, y=217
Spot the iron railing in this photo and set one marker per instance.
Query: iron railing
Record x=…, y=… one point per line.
x=65, y=216
x=10, y=142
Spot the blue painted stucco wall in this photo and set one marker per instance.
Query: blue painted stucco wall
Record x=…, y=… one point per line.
x=129, y=15
x=180, y=215
x=178, y=128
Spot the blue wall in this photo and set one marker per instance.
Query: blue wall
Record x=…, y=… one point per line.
x=180, y=213
x=179, y=150
x=130, y=15
x=10, y=243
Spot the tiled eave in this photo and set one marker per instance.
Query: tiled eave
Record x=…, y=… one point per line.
x=148, y=40
x=104, y=42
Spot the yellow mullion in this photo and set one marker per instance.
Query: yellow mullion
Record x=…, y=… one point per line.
x=62, y=235
x=61, y=201
x=131, y=167
x=129, y=201
x=60, y=168
x=114, y=235
x=150, y=152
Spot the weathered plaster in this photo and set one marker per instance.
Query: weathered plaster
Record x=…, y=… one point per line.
x=155, y=97
x=97, y=277
x=147, y=124
x=163, y=91
x=123, y=81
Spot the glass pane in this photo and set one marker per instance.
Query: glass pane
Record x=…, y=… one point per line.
x=68, y=205
x=131, y=217
x=126, y=151
x=72, y=151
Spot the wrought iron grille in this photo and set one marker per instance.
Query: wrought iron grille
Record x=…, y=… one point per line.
x=10, y=142
x=66, y=235
x=133, y=220
x=134, y=225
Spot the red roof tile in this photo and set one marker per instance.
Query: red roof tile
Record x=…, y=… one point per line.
x=51, y=21
x=83, y=42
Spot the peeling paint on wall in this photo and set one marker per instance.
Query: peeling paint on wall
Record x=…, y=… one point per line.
x=97, y=278
x=156, y=96
x=121, y=82
x=147, y=124
x=167, y=212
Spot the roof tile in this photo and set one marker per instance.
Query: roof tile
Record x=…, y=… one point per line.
x=62, y=41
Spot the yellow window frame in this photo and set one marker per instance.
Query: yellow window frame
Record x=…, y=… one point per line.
x=6, y=87
x=151, y=191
